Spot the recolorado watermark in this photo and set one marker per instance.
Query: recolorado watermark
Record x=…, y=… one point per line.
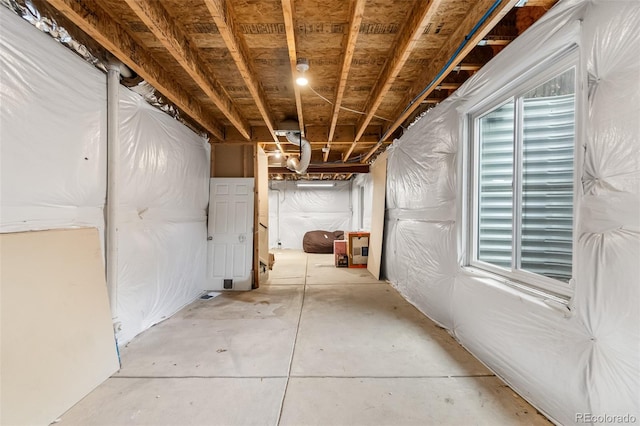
x=605, y=418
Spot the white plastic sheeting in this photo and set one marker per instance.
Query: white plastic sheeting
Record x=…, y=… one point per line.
x=293, y=211
x=569, y=364
x=164, y=181
x=53, y=172
x=362, y=201
x=52, y=139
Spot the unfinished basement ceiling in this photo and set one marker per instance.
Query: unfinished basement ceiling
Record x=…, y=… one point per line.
x=230, y=66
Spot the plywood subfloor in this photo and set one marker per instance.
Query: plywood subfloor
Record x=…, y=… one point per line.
x=317, y=345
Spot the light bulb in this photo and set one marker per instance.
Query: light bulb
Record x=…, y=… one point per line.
x=302, y=81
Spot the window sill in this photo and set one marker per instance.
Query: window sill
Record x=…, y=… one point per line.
x=555, y=301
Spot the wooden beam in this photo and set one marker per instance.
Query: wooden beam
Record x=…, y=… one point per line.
x=433, y=100
x=493, y=40
x=177, y=43
x=418, y=19
x=444, y=60
x=102, y=28
x=342, y=133
x=315, y=135
x=224, y=18
x=256, y=219
x=317, y=143
x=542, y=3
x=357, y=11
x=370, y=153
x=287, y=13
x=325, y=168
x=467, y=67
x=448, y=86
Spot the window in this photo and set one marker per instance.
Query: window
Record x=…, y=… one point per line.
x=523, y=184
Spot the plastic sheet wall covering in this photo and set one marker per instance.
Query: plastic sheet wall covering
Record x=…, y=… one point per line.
x=579, y=359
x=294, y=211
x=53, y=172
x=164, y=176
x=52, y=168
x=362, y=203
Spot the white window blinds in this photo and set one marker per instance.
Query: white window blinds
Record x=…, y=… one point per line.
x=525, y=181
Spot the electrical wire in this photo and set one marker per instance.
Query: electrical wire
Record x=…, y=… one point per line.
x=345, y=108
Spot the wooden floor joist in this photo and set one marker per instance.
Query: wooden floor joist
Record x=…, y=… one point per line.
x=325, y=168
x=448, y=50
x=357, y=11
x=223, y=16
x=99, y=25
x=413, y=29
x=154, y=16
x=287, y=12
x=229, y=67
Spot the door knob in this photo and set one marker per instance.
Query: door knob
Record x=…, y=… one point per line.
x=242, y=238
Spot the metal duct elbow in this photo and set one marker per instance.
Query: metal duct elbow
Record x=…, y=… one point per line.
x=299, y=166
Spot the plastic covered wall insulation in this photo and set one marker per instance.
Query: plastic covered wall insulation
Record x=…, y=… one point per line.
x=580, y=365
x=164, y=184
x=52, y=168
x=293, y=211
x=53, y=121
x=362, y=201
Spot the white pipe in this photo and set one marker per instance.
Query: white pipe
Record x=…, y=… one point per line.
x=113, y=196
x=125, y=71
x=299, y=166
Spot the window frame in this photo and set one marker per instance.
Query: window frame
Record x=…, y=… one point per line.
x=514, y=92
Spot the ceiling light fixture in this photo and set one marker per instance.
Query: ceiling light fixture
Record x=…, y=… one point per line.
x=315, y=184
x=302, y=65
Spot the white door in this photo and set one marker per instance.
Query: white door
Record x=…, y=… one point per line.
x=230, y=234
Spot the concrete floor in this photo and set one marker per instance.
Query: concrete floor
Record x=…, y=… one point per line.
x=317, y=345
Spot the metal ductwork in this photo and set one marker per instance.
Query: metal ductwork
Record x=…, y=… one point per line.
x=299, y=166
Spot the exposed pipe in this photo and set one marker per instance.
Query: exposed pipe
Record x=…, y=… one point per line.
x=113, y=195
x=125, y=71
x=299, y=166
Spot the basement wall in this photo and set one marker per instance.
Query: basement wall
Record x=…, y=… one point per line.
x=55, y=347
x=362, y=201
x=164, y=179
x=294, y=211
x=53, y=173
x=569, y=360
x=233, y=160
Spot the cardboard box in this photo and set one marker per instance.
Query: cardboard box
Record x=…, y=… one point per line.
x=358, y=249
x=340, y=253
